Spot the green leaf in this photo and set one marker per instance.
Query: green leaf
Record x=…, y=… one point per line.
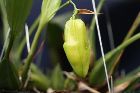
x=57, y=81
x=17, y=13
x=48, y=10
x=97, y=76
x=39, y=79
x=8, y=76
x=4, y=18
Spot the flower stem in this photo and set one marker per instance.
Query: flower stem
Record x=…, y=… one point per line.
x=75, y=9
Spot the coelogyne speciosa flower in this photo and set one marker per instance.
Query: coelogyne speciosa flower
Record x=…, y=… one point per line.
x=76, y=46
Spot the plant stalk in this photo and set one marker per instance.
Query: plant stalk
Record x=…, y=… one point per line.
x=33, y=48
x=75, y=9
x=32, y=28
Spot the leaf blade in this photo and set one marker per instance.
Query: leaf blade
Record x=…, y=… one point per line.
x=8, y=77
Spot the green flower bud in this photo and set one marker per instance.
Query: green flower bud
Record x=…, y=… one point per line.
x=76, y=46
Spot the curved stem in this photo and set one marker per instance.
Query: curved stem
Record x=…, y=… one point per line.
x=75, y=9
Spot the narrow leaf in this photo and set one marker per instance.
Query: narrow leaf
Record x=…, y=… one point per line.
x=57, y=81
x=17, y=13
x=96, y=78
x=4, y=18
x=38, y=79
x=48, y=10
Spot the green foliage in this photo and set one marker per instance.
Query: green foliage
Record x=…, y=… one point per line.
x=48, y=10
x=38, y=78
x=57, y=79
x=9, y=78
x=17, y=13
x=4, y=19
x=111, y=58
x=76, y=46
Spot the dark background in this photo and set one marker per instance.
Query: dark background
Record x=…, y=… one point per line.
x=122, y=13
